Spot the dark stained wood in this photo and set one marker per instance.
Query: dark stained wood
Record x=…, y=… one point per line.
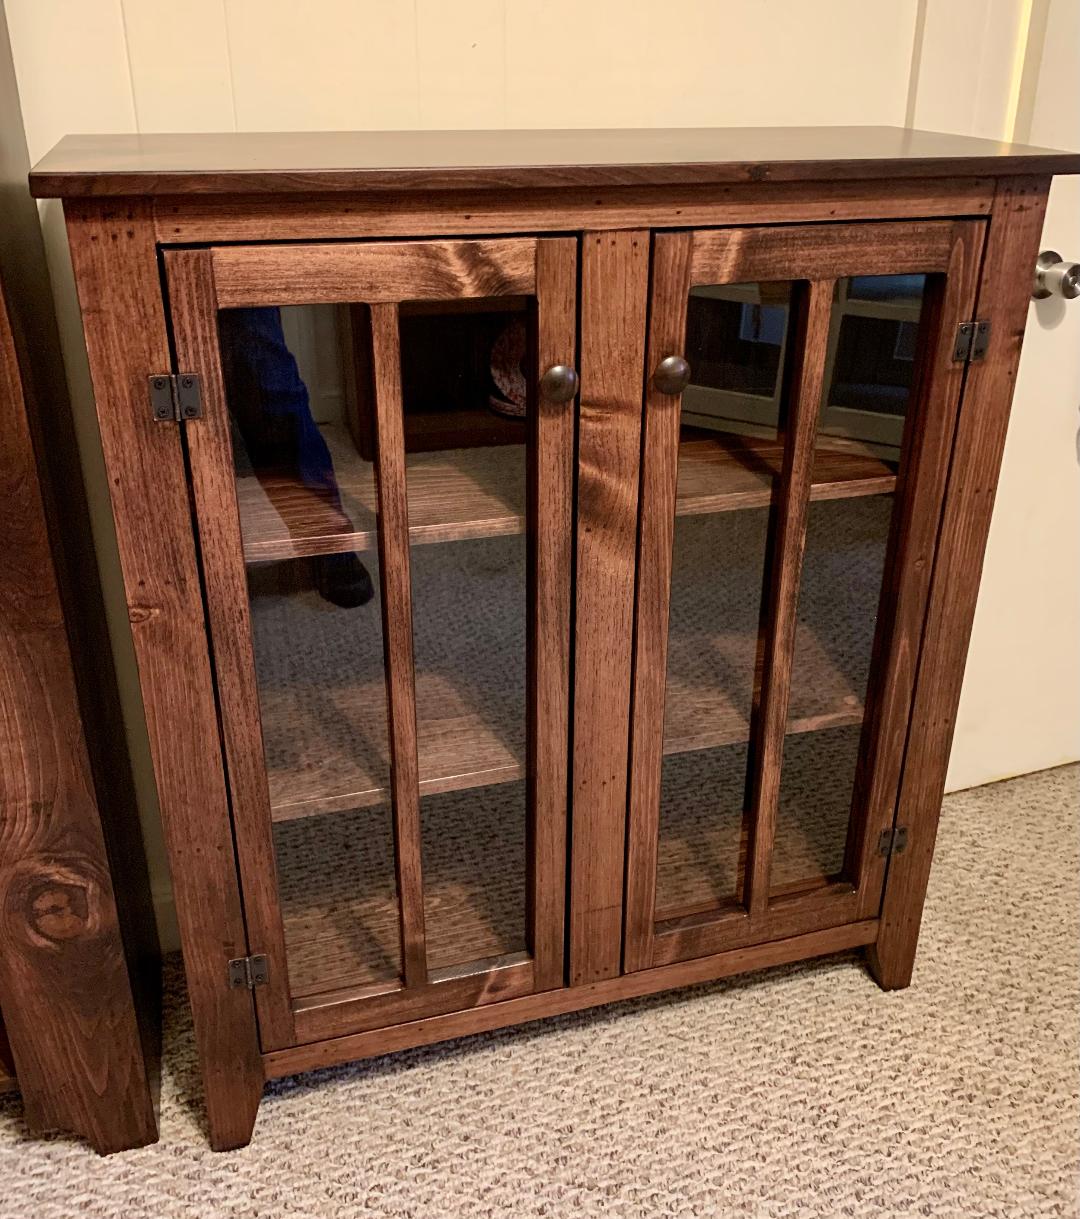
x=1004, y=291
x=614, y=291
x=200, y=218
x=70, y=1021
x=382, y=272
x=704, y=718
x=194, y=318
x=820, y=251
x=271, y=162
x=612, y=188
x=660, y=456
x=398, y=636
x=459, y=748
x=8, y=1082
x=575, y=998
x=338, y=1014
x=551, y=502
x=479, y=493
x=115, y=264
x=788, y=914
x=811, y=311
x=194, y=297
x=924, y=464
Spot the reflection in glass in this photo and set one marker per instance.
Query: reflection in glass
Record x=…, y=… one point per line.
x=729, y=462
x=873, y=351
x=733, y=416
x=302, y=418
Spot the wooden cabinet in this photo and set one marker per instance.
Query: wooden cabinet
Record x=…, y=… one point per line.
x=550, y=556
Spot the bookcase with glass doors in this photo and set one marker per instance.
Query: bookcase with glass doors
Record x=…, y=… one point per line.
x=550, y=556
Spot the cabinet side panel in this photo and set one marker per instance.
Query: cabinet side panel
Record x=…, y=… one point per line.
x=615, y=273
x=1004, y=289
x=67, y=996
x=116, y=271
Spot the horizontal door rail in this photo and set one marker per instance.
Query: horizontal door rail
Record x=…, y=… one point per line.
x=385, y=272
x=821, y=251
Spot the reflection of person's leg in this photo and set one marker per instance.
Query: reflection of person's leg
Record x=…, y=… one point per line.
x=272, y=409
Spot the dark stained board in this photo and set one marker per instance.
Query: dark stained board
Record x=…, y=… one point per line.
x=260, y=162
x=69, y=1010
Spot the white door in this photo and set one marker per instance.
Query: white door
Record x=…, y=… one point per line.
x=1020, y=709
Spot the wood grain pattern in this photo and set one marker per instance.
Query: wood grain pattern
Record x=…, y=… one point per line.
x=553, y=1003
x=196, y=218
x=820, y=251
x=194, y=318
x=479, y=492
x=614, y=291
x=114, y=257
x=660, y=477
x=924, y=464
x=279, y=162
x=1004, y=289
x=806, y=910
x=698, y=718
x=8, y=1082
x=551, y=504
x=482, y=982
x=378, y=273
x=811, y=311
x=398, y=636
x=69, y=1010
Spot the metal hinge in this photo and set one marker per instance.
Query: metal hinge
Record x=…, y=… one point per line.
x=175, y=396
x=892, y=842
x=972, y=340
x=249, y=971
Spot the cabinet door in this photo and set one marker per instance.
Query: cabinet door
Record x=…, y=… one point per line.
x=789, y=511
x=382, y=491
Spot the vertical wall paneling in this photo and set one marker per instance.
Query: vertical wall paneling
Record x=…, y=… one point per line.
x=323, y=65
x=179, y=51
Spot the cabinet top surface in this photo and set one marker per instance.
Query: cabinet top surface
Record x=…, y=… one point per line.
x=310, y=162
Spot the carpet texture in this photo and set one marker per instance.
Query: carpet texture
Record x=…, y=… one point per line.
x=802, y=1091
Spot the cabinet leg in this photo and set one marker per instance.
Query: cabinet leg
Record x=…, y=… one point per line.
x=233, y=1093
x=890, y=969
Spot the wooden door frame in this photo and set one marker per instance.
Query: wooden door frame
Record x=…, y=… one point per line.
x=377, y=276
x=951, y=250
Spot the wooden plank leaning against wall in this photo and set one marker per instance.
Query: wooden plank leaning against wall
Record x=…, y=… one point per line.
x=67, y=996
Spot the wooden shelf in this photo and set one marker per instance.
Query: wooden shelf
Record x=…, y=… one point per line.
x=321, y=676
x=480, y=492
x=723, y=471
x=453, y=494
x=708, y=715
x=454, y=753
x=467, y=749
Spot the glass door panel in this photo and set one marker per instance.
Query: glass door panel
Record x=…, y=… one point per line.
x=729, y=458
x=875, y=336
x=777, y=482
x=382, y=431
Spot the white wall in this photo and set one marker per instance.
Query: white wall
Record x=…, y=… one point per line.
x=1020, y=709
x=155, y=65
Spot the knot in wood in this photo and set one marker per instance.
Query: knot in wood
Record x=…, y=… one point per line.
x=59, y=911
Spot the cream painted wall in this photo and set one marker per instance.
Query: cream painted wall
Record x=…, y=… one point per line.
x=1020, y=709
x=154, y=65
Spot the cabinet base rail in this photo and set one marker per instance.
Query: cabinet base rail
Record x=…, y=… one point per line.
x=527, y=1008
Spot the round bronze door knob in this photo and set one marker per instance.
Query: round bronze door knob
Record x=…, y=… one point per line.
x=672, y=375
x=559, y=383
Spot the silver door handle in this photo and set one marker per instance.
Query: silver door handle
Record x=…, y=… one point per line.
x=1055, y=277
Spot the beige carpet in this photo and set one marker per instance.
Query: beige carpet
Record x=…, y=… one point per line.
x=804, y=1091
